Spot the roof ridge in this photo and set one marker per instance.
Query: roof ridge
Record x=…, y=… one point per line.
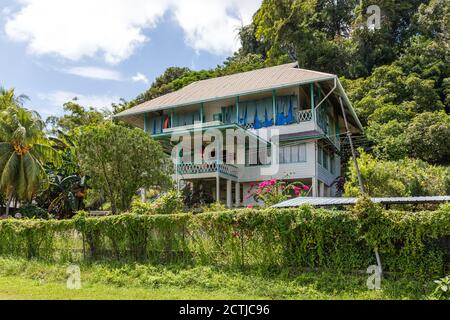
x=245, y=72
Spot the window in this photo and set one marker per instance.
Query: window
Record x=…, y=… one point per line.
x=332, y=163
x=293, y=153
x=319, y=155
x=325, y=158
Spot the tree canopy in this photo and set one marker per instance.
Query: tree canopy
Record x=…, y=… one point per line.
x=120, y=161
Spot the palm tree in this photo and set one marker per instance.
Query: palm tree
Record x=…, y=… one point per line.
x=24, y=150
x=8, y=98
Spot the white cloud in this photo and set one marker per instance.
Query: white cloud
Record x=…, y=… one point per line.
x=114, y=29
x=213, y=25
x=55, y=100
x=139, y=77
x=95, y=73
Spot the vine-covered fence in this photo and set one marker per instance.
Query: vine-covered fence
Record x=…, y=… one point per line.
x=409, y=243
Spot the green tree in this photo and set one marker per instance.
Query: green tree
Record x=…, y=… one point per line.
x=428, y=137
x=75, y=117
x=406, y=177
x=24, y=150
x=119, y=161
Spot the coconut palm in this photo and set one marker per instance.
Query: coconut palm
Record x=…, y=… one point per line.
x=24, y=150
x=8, y=98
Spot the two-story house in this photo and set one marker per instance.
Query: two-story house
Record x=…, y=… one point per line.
x=280, y=122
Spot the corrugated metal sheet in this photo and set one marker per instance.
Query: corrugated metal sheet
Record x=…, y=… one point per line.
x=326, y=202
x=229, y=86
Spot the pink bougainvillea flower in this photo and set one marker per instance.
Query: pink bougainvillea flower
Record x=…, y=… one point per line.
x=272, y=182
x=296, y=190
x=305, y=188
x=263, y=184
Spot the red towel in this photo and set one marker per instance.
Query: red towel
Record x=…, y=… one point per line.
x=166, y=123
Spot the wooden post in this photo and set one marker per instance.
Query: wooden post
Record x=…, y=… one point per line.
x=238, y=195
x=201, y=111
x=145, y=122
x=229, y=194
x=349, y=135
x=237, y=109
x=274, y=106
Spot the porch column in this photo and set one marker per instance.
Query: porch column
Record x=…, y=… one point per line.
x=229, y=200
x=274, y=106
x=238, y=195
x=218, y=189
x=202, y=107
x=237, y=109
x=313, y=107
x=315, y=187
x=145, y=122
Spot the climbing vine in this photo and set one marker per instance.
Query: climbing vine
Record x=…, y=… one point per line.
x=303, y=238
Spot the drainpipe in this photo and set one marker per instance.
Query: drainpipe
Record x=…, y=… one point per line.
x=328, y=94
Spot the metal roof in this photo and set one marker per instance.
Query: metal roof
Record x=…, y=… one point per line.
x=230, y=86
x=325, y=202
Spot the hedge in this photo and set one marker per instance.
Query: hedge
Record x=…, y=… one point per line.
x=302, y=238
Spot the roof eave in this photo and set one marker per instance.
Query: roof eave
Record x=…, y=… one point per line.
x=243, y=93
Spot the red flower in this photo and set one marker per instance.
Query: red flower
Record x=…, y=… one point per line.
x=305, y=188
x=250, y=206
x=296, y=190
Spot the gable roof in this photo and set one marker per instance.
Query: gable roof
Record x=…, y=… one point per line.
x=230, y=86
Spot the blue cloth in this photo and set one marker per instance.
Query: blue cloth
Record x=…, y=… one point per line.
x=243, y=121
x=267, y=122
x=290, y=116
x=257, y=123
x=281, y=119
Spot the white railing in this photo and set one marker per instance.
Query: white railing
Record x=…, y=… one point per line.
x=208, y=167
x=304, y=116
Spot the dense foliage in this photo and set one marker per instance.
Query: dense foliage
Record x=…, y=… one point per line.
x=402, y=178
x=301, y=238
x=120, y=161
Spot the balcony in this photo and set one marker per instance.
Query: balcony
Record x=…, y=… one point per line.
x=228, y=170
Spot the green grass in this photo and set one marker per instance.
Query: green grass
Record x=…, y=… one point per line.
x=21, y=279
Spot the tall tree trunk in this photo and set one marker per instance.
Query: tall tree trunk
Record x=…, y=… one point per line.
x=8, y=203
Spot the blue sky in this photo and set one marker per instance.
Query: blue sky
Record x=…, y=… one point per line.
x=104, y=50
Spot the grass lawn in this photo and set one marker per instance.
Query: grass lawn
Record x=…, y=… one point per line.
x=21, y=279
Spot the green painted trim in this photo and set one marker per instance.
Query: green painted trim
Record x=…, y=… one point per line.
x=222, y=126
x=202, y=107
x=172, y=112
x=145, y=122
x=244, y=93
x=313, y=106
x=274, y=105
x=237, y=109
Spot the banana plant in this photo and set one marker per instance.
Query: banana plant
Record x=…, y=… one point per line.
x=70, y=193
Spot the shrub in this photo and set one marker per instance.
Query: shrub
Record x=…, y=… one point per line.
x=169, y=203
x=442, y=290
x=33, y=212
x=139, y=207
x=271, y=192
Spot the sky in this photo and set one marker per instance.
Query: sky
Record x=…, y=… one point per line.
x=103, y=50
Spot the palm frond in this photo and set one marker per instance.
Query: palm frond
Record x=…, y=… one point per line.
x=45, y=153
x=9, y=174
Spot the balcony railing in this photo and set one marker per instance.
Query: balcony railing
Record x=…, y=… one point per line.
x=207, y=167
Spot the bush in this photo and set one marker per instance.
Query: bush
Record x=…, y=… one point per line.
x=270, y=239
x=168, y=203
x=32, y=211
x=442, y=290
